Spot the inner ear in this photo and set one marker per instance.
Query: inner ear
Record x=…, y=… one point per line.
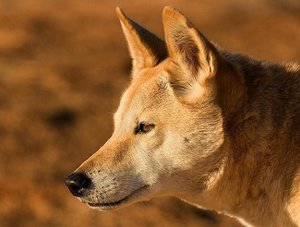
x=145, y=48
x=189, y=48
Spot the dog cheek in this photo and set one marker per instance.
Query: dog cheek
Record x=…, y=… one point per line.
x=146, y=165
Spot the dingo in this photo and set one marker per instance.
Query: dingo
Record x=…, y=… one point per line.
x=215, y=129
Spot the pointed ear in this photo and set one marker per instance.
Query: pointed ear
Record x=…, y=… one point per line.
x=145, y=48
x=189, y=49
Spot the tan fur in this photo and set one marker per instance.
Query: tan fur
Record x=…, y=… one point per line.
x=226, y=135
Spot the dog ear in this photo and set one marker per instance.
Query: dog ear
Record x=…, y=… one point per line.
x=191, y=52
x=145, y=48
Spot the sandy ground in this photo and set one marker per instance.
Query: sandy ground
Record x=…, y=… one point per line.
x=63, y=67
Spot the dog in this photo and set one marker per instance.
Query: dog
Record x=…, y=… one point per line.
x=216, y=129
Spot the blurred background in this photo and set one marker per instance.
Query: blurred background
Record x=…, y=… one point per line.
x=63, y=67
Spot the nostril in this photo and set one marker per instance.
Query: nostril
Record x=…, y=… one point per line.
x=78, y=183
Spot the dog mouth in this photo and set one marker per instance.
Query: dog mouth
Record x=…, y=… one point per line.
x=110, y=205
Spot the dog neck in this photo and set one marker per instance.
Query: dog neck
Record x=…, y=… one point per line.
x=249, y=184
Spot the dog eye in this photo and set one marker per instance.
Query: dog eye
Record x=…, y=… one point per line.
x=144, y=127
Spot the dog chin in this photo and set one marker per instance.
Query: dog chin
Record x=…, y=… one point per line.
x=136, y=196
x=98, y=207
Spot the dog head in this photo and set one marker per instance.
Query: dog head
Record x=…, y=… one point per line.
x=168, y=129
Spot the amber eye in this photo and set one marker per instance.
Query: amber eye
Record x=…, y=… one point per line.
x=144, y=127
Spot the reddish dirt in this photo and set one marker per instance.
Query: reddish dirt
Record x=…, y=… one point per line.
x=63, y=67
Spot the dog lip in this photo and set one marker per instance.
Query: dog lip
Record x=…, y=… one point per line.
x=116, y=203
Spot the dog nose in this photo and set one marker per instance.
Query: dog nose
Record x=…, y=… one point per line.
x=78, y=183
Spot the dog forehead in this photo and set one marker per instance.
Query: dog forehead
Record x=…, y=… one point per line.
x=150, y=83
x=144, y=93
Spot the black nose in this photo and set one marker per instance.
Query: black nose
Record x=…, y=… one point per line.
x=78, y=183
